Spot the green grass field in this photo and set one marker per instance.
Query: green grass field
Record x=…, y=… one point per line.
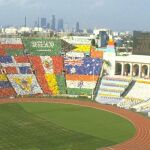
x=29, y=126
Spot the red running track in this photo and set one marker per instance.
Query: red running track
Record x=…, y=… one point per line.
x=141, y=140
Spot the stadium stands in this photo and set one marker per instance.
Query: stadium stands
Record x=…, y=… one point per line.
x=142, y=107
x=82, y=74
x=75, y=54
x=82, y=48
x=46, y=68
x=43, y=46
x=139, y=91
x=39, y=67
x=2, y=52
x=109, y=100
x=127, y=103
x=43, y=66
x=111, y=89
x=6, y=88
x=25, y=84
x=11, y=43
x=111, y=92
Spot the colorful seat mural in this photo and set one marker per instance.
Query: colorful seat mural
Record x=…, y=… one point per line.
x=35, y=66
x=82, y=74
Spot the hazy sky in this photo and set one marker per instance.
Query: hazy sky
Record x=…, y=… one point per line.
x=114, y=14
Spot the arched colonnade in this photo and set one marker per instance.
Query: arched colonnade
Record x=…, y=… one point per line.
x=132, y=69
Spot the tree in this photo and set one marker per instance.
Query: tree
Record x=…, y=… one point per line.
x=106, y=66
x=93, y=43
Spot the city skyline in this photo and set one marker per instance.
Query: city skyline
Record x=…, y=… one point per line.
x=114, y=14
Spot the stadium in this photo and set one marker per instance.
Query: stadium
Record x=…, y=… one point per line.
x=66, y=94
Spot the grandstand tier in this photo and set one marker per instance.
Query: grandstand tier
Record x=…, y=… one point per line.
x=140, y=91
x=122, y=92
x=40, y=57
x=143, y=106
x=49, y=66
x=111, y=89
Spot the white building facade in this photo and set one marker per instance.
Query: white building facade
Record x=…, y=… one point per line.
x=133, y=65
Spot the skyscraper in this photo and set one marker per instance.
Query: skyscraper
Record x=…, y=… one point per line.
x=36, y=24
x=77, y=27
x=25, y=21
x=53, y=23
x=60, y=25
x=48, y=25
x=43, y=23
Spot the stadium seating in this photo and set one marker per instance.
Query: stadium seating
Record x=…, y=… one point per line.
x=82, y=74
x=142, y=107
x=25, y=84
x=111, y=89
x=109, y=100
x=128, y=103
x=82, y=48
x=11, y=43
x=45, y=69
x=75, y=54
x=2, y=52
x=42, y=64
x=35, y=66
x=43, y=46
x=21, y=59
x=140, y=91
x=6, y=88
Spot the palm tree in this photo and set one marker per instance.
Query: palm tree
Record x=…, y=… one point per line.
x=106, y=66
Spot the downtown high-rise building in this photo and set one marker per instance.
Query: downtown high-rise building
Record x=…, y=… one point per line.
x=60, y=25
x=48, y=25
x=53, y=23
x=77, y=27
x=43, y=23
x=36, y=24
x=25, y=21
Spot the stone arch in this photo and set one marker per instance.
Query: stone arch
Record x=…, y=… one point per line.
x=136, y=69
x=144, y=70
x=127, y=69
x=118, y=69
